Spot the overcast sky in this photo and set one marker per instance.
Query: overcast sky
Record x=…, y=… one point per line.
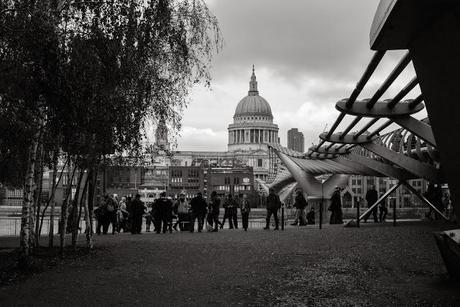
x=307, y=54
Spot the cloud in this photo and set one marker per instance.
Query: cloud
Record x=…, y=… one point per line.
x=308, y=55
x=206, y=139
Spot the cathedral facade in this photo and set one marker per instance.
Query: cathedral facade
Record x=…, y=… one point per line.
x=248, y=137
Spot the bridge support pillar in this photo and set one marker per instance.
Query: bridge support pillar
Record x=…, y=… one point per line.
x=436, y=58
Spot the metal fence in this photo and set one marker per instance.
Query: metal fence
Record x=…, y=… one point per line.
x=11, y=226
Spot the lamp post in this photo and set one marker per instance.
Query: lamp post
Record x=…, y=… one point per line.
x=321, y=205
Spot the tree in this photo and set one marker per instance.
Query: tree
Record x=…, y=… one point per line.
x=95, y=72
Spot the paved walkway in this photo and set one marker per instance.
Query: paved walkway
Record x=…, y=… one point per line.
x=374, y=265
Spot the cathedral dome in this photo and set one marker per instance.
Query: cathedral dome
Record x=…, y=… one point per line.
x=253, y=104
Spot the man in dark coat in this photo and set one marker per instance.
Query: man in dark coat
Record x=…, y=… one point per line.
x=164, y=209
x=371, y=198
x=336, y=208
x=214, y=205
x=273, y=205
x=198, y=206
x=137, y=210
x=231, y=207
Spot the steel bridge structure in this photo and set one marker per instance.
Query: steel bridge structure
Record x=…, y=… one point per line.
x=429, y=31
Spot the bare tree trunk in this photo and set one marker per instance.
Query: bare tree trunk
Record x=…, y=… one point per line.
x=92, y=193
x=51, y=198
x=29, y=187
x=63, y=223
x=80, y=202
x=75, y=206
x=38, y=200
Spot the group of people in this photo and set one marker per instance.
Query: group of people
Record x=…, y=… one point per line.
x=125, y=214
x=167, y=215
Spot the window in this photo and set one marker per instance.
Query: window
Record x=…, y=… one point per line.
x=236, y=180
x=227, y=180
x=259, y=162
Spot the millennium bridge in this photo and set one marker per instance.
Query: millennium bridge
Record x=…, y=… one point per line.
x=429, y=31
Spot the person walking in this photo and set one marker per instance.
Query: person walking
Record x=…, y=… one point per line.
x=214, y=204
x=182, y=209
x=198, y=206
x=300, y=204
x=231, y=207
x=336, y=208
x=273, y=205
x=371, y=199
x=245, y=208
x=137, y=209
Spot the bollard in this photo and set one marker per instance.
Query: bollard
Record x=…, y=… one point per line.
x=282, y=217
x=394, y=212
x=357, y=215
x=321, y=214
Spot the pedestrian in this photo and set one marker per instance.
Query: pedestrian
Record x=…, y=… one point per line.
x=273, y=205
x=383, y=210
x=198, y=206
x=245, y=208
x=122, y=215
x=336, y=207
x=100, y=215
x=434, y=195
x=111, y=214
x=300, y=204
x=226, y=214
x=148, y=217
x=130, y=214
x=371, y=198
x=214, y=204
x=182, y=209
x=164, y=207
x=231, y=207
x=311, y=217
x=137, y=209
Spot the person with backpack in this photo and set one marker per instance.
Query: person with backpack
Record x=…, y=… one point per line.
x=300, y=204
x=273, y=205
x=182, y=209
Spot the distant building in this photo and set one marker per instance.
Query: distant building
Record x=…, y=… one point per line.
x=237, y=181
x=296, y=140
x=186, y=178
x=205, y=179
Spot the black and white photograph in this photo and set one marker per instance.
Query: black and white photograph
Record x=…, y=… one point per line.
x=229, y=153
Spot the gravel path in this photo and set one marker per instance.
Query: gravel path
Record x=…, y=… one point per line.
x=371, y=266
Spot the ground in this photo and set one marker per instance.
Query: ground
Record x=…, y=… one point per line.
x=336, y=266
